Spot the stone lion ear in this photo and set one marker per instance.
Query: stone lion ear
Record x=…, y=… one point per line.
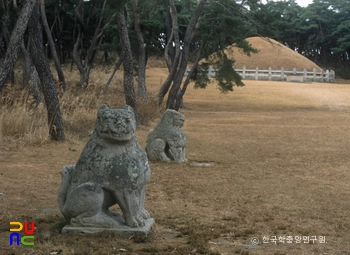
x=103, y=107
x=129, y=109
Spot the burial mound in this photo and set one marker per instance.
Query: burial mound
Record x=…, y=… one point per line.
x=271, y=54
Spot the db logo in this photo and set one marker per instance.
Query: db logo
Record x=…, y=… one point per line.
x=16, y=236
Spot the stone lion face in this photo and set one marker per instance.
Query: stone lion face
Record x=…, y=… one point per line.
x=179, y=120
x=115, y=125
x=173, y=118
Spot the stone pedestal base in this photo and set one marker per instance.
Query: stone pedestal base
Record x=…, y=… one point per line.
x=123, y=229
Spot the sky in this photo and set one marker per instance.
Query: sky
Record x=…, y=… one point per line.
x=302, y=3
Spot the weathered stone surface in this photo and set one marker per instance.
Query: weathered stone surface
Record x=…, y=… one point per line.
x=112, y=169
x=167, y=141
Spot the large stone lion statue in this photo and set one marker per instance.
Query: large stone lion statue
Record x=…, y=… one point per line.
x=167, y=141
x=112, y=169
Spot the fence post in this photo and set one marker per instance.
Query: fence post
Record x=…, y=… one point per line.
x=269, y=73
x=314, y=74
x=327, y=75
x=305, y=75
x=294, y=70
x=257, y=73
x=243, y=72
x=209, y=71
x=282, y=74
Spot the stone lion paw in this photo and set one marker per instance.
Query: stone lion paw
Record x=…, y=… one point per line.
x=135, y=222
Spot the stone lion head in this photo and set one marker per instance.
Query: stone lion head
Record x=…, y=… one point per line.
x=115, y=125
x=172, y=118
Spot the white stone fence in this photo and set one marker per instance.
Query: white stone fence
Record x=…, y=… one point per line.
x=281, y=75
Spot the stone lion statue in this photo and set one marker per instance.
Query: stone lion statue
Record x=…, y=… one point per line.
x=167, y=141
x=112, y=169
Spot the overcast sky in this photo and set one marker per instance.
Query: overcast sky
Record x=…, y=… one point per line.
x=302, y=3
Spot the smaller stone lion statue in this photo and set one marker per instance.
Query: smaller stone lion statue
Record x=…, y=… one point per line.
x=112, y=169
x=167, y=141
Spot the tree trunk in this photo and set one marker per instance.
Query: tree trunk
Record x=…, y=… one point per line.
x=168, y=46
x=126, y=54
x=181, y=92
x=79, y=17
x=169, y=26
x=52, y=46
x=85, y=63
x=190, y=31
x=15, y=42
x=77, y=61
x=141, y=75
x=34, y=87
x=26, y=65
x=174, y=64
x=56, y=130
x=117, y=65
x=4, y=34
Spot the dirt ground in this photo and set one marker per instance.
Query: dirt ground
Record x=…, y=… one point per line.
x=269, y=160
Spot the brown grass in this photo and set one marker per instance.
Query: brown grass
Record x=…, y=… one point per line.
x=23, y=120
x=280, y=154
x=20, y=119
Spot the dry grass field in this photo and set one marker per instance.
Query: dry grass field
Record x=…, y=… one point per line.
x=267, y=160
